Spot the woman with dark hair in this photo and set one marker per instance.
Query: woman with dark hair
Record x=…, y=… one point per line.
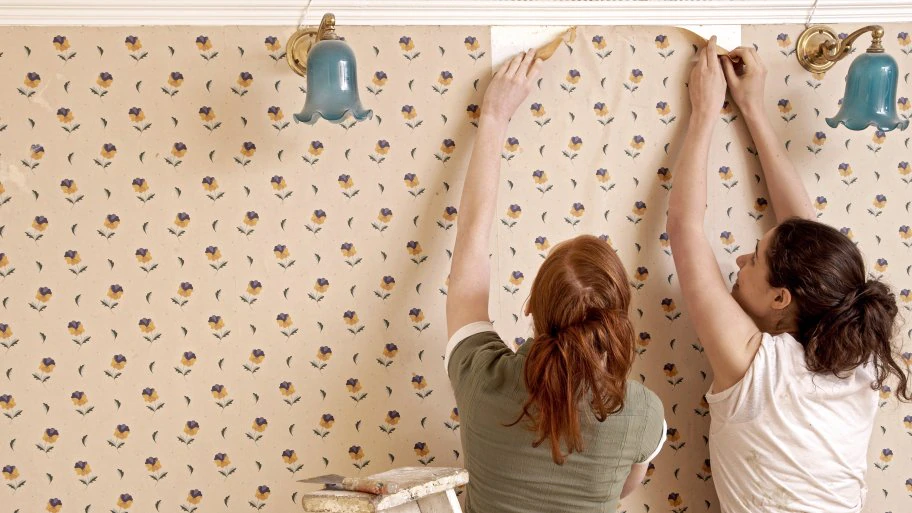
x=802, y=343
x=566, y=389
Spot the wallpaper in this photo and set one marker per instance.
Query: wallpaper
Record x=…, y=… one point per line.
x=203, y=302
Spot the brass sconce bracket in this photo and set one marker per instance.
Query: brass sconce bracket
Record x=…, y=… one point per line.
x=300, y=43
x=819, y=48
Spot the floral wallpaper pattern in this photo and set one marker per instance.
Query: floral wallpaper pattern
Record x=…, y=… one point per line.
x=203, y=302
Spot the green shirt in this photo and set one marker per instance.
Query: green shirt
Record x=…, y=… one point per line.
x=507, y=474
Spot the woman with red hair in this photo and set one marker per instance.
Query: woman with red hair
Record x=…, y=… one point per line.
x=566, y=389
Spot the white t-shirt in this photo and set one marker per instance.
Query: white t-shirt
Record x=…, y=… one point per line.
x=784, y=439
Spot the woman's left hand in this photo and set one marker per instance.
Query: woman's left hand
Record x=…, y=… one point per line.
x=707, y=83
x=510, y=86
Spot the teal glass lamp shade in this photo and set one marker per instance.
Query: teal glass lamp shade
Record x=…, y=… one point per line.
x=332, y=84
x=870, y=95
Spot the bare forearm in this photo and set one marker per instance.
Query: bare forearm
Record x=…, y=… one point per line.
x=787, y=193
x=688, y=197
x=479, y=193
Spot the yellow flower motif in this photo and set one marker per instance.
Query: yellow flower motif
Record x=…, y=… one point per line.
x=248, y=149
x=79, y=398
x=76, y=328
x=146, y=327
x=73, y=259
x=10, y=474
x=445, y=78
x=276, y=114
x=119, y=434
x=175, y=79
x=194, y=498
x=179, y=150
x=880, y=201
x=32, y=80
x=8, y=402
x=209, y=185
x=108, y=151
x=262, y=492
x=290, y=458
x=414, y=249
x=216, y=324
x=273, y=44
x=61, y=43
x=575, y=143
x=259, y=425
x=282, y=254
x=48, y=436
x=411, y=180
x=516, y=279
x=37, y=151
x=245, y=79
x=381, y=149
x=118, y=364
x=222, y=462
x=65, y=115
x=46, y=365
x=251, y=219
x=133, y=44
x=203, y=43
x=256, y=357
x=349, y=250
x=151, y=398
x=577, y=210
x=44, y=294
x=540, y=178
x=188, y=359
x=351, y=319
x=215, y=255
x=207, y=114
x=288, y=391
x=124, y=501
x=219, y=392
x=879, y=137
x=637, y=142
x=53, y=505
x=104, y=80
x=599, y=43
x=407, y=44
x=354, y=386
x=514, y=212
x=662, y=42
x=143, y=256
x=153, y=465
x=471, y=44
x=67, y=186
x=324, y=353
x=422, y=449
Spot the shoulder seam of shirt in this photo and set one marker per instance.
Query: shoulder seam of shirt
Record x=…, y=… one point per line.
x=473, y=328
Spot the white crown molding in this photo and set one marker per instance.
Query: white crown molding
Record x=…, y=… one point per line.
x=448, y=12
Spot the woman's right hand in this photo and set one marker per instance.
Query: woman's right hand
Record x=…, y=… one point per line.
x=746, y=80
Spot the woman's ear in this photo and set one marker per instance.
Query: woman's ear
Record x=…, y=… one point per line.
x=783, y=299
x=526, y=311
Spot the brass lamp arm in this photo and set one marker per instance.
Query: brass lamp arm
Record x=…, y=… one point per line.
x=844, y=46
x=818, y=47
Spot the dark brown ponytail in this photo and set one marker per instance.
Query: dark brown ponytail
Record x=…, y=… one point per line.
x=583, y=344
x=843, y=319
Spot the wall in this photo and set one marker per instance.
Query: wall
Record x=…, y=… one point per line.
x=333, y=363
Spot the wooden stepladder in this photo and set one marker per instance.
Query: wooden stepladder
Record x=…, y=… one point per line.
x=421, y=490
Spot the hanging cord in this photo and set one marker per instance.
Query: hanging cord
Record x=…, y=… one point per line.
x=810, y=14
x=304, y=16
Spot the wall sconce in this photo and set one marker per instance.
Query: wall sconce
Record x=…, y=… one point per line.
x=870, y=93
x=332, y=77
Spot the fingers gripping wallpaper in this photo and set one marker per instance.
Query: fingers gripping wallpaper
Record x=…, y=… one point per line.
x=203, y=302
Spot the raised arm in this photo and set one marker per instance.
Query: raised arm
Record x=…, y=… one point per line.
x=470, y=271
x=729, y=336
x=787, y=193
